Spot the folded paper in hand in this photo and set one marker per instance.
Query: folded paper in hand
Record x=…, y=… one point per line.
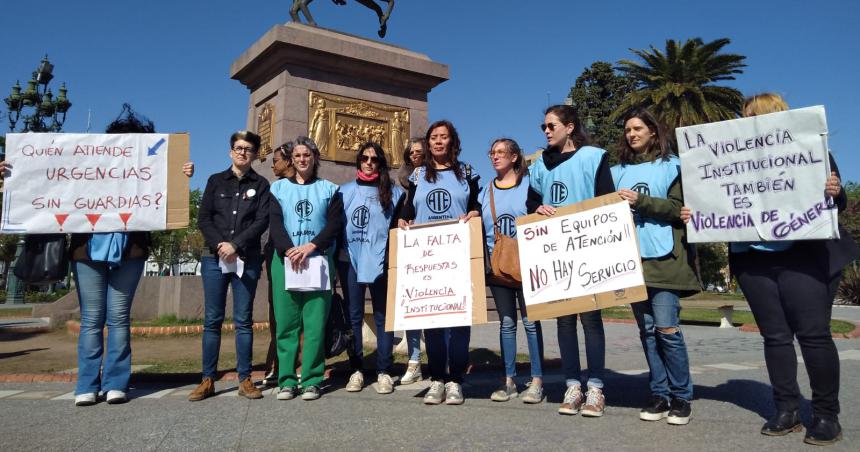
x=237, y=266
x=313, y=276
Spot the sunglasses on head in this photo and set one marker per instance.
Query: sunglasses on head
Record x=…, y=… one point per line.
x=551, y=126
x=369, y=158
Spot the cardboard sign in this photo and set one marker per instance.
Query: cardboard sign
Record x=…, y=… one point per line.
x=758, y=179
x=64, y=182
x=436, y=276
x=583, y=258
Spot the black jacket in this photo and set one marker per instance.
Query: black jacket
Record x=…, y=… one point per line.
x=231, y=212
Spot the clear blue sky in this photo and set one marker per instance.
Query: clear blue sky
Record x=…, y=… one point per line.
x=171, y=59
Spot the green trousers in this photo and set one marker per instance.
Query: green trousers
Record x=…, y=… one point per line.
x=297, y=313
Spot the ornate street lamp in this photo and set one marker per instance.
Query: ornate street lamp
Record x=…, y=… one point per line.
x=47, y=115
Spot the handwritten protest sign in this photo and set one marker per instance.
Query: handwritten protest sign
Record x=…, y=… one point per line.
x=584, y=258
x=436, y=276
x=94, y=183
x=758, y=179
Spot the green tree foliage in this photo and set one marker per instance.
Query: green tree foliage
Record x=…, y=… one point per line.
x=850, y=217
x=713, y=262
x=598, y=92
x=678, y=84
x=179, y=246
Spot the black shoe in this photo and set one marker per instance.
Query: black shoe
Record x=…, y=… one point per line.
x=679, y=412
x=823, y=432
x=783, y=423
x=656, y=410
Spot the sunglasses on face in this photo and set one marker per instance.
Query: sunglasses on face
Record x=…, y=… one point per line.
x=551, y=126
x=369, y=158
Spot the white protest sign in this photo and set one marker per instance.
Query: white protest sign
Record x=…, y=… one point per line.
x=584, y=249
x=63, y=182
x=758, y=179
x=433, y=284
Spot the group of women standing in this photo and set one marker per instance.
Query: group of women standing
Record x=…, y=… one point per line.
x=790, y=286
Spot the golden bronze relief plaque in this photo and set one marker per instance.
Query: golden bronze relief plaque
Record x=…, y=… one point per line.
x=265, y=119
x=340, y=125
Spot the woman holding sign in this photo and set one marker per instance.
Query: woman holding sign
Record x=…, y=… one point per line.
x=370, y=205
x=790, y=287
x=107, y=268
x=649, y=178
x=571, y=171
x=304, y=223
x=502, y=200
x=455, y=196
x=413, y=157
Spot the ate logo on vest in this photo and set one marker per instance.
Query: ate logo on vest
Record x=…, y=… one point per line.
x=507, y=225
x=641, y=188
x=438, y=200
x=557, y=193
x=304, y=208
x=360, y=217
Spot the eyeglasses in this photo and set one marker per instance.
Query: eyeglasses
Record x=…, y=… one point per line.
x=492, y=154
x=244, y=150
x=551, y=126
x=369, y=158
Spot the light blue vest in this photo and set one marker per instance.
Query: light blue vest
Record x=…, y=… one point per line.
x=510, y=204
x=653, y=179
x=445, y=199
x=305, y=207
x=366, y=229
x=568, y=183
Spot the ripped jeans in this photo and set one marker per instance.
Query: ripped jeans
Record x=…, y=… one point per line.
x=666, y=352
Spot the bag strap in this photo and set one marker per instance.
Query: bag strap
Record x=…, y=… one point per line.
x=493, y=209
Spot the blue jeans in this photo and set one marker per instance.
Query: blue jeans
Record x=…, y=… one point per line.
x=448, y=352
x=507, y=300
x=105, y=295
x=215, y=300
x=666, y=353
x=413, y=345
x=384, y=340
x=595, y=348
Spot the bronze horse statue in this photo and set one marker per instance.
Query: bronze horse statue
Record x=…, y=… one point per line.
x=302, y=5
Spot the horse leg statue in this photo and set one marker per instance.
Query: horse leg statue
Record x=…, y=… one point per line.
x=302, y=5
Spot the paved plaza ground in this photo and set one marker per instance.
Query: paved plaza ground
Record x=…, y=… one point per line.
x=732, y=399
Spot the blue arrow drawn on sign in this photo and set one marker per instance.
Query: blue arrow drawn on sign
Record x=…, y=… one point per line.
x=154, y=148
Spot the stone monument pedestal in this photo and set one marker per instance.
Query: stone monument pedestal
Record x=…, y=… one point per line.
x=338, y=89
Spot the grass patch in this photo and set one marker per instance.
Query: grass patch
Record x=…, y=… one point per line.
x=717, y=296
x=16, y=312
x=171, y=320
x=702, y=316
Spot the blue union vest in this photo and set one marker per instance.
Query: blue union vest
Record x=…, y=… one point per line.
x=305, y=207
x=366, y=230
x=445, y=199
x=570, y=182
x=653, y=179
x=510, y=204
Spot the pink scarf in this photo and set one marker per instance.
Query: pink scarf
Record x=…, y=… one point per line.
x=363, y=177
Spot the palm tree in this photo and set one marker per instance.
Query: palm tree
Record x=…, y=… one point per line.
x=678, y=85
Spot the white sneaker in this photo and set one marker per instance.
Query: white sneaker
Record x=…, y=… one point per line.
x=413, y=373
x=356, y=382
x=287, y=393
x=384, y=384
x=115, y=397
x=85, y=399
x=454, y=393
x=435, y=394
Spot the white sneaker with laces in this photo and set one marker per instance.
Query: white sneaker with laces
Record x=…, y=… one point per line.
x=413, y=373
x=356, y=382
x=435, y=394
x=85, y=399
x=454, y=393
x=384, y=384
x=115, y=397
